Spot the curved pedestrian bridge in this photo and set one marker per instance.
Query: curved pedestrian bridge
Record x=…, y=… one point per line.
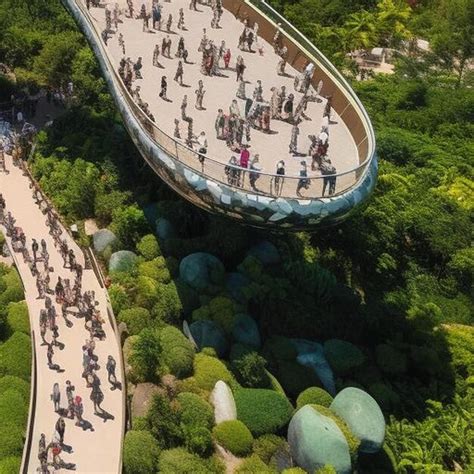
x=302, y=176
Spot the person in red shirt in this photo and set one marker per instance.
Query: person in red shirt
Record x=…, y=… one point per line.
x=227, y=56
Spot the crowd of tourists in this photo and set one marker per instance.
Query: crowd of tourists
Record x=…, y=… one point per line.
x=247, y=112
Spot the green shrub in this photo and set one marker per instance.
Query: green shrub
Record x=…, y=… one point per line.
x=326, y=470
x=15, y=356
x=128, y=224
x=295, y=377
x=390, y=360
x=140, y=423
x=278, y=348
x=180, y=461
x=163, y=420
x=293, y=470
x=194, y=411
x=168, y=305
x=145, y=355
x=234, y=436
x=221, y=310
x=263, y=411
x=198, y=440
x=13, y=288
x=10, y=382
x=250, y=370
x=177, y=352
x=136, y=319
x=148, y=247
x=147, y=292
x=11, y=441
x=254, y=465
x=155, y=269
x=460, y=341
x=267, y=445
x=13, y=409
x=314, y=396
x=118, y=298
x=140, y=453
x=343, y=356
x=17, y=317
x=10, y=464
x=208, y=370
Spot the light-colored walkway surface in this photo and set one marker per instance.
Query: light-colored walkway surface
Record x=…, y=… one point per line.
x=94, y=452
x=220, y=91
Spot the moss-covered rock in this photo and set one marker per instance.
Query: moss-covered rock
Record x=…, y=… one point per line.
x=207, y=334
x=315, y=441
x=199, y=270
x=122, y=261
x=234, y=436
x=314, y=396
x=343, y=356
x=208, y=370
x=246, y=331
x=363, y=416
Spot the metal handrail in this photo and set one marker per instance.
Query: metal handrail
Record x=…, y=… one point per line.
x=145, y=120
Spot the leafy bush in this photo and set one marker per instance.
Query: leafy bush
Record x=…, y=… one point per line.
x=140, y=453
x=13, y=288
x=254, y=465
x=314, y=396
x=11, y=441
x=156, y=269
x=163, y=420
x=220, y=310
x=250, y=370
x=293, y=470
x=208, y=370
x=148, y=247
x=10, y=464
x=147, y=292
x=198, y=440
x=177, y=352
x=194, y=411
x=135, y=318
x=15, y=356
x=295, y=377
x=180, y=461
x=263, y=411
x=168, y=305
x=118, y=298
x=18, y=319
x=343, y=356
x=390, y=360
x=234, y=436
x=128, y=224
x=10, y=382
x=267, y=445
x=13, y=409
x=145, y=355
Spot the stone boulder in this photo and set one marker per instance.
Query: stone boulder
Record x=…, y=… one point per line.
x=246, y=331
x=142, y=397
x=223, y=402
x=207, y=333
x=199, y=270
x=102, y=239
x=165, y=229
x=122, y=261
x=315, y=441
x=363, y=416
x=343, y=356
x=266, y=252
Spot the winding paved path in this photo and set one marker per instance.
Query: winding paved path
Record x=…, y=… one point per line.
x=94, y=452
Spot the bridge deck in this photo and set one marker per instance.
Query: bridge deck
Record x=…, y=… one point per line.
x=220, y=91
x=100, y=450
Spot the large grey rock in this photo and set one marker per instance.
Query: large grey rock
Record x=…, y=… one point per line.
x=246, y=331
x=207, y=334
x=201, y=269
x=102, y=239
x=363, y=416
x=122, y=261
x=266, y=252
x=235, y=284
x=165, y=229
x=223, y=402
x=315, y=441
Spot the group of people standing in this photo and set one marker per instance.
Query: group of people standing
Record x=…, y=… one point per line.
x=246, y=112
